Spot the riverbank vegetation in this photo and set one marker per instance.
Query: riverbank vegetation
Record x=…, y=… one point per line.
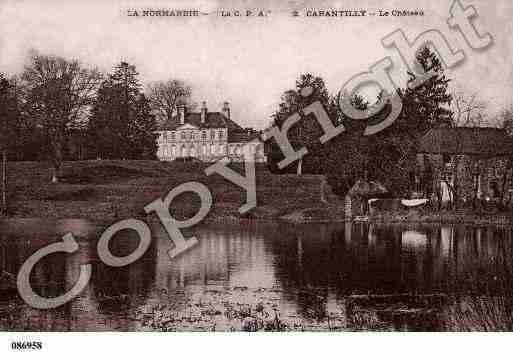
x=109, y=190
x=115, y=189
x=391, y=156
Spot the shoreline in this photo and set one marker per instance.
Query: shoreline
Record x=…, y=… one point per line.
x=445, y=217
x=295, y=217
x=113, y=190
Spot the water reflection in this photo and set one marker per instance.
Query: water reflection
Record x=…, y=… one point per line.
x=305, y=271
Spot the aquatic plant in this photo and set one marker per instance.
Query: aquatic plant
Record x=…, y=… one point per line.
x=483, y=313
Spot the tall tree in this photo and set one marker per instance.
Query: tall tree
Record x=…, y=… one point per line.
x=425, y=106
x=9, y=115
x=106, y=130
x=389, y=156
x=121, y=124
x=307, y=131
x=59, y=93
x=30, y=141
x=428, y=104
x=165, y=97
x=9, y=125
x=142, y=136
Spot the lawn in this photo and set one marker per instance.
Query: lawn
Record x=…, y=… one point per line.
x=112, y=190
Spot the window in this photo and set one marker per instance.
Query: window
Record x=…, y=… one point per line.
x=494, y=189
x=182, y=135
x=220, y=134
x=204, y=135
x=164, y=137
x=212, y=135
x=173, y=136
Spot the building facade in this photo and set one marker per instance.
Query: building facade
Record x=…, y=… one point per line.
x=475, y=161
x=209, y=137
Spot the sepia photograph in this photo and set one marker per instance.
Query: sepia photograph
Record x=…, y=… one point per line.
x=255, y=166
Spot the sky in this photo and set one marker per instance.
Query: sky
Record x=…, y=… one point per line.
x=250, y=62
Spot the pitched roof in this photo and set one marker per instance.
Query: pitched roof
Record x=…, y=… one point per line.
x=242, y=135
x=484, y=141
x=212, y=120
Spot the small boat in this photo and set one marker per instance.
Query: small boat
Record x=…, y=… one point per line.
x=414, y=202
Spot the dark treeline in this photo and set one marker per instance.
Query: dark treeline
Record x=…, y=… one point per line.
x=58, y=109
x=388, y=156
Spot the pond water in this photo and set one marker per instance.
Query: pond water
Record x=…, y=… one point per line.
x=264, y=275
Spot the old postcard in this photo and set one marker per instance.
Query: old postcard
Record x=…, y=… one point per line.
x=253, y=166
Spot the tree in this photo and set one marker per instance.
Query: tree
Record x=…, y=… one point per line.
x=428, y=104
x=30, y=144
x=468, y=110
x=165, y=97
x=106, y=130
x=141, y=134
x=59, y=93
x=9, y=122
x=9, y=115
x=389, y=156
x=121, y=124
x=306, y=132
x=425, y=106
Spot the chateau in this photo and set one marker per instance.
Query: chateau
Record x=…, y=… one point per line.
x=208, y=136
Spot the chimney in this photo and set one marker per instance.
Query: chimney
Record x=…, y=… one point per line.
x=181, y=113
x=203, y=111
x=226, y=110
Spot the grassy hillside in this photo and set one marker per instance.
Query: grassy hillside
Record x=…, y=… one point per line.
x=109, y=190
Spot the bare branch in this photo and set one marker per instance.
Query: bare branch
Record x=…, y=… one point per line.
x=165, y=97
x=59, y=92
x=468, y=110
